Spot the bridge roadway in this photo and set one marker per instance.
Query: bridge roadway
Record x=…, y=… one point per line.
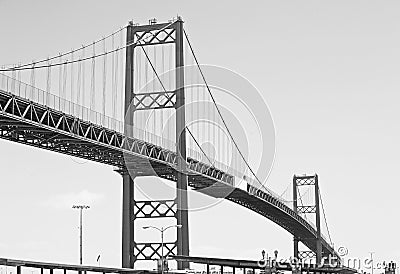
x=37, y=125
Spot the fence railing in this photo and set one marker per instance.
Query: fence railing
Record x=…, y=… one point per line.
x=22, y=267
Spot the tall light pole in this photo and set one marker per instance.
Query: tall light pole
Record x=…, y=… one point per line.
x=162, y=230
x=81, y=208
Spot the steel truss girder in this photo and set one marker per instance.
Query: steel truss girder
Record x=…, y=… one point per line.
x=33, y=124
x=154, y=209
x=283, y=219
x=152, y=251
x=43, y=127
x=36, y=125
x=271, y=199
x=154, y=100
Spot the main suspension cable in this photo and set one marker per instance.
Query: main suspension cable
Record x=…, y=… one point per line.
x=301, y=202
x=69, y=52
x=166, y=94
x=26, y=67
x=323, y=211
x=219, y=112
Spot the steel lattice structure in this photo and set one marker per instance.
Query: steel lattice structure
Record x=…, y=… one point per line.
x=317, y=252
x=36, y=125
x=41, y=126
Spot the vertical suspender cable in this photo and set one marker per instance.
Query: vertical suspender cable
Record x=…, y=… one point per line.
x=116, y=82
x=78, y=87
x=72, y=76
x=32, y=80
x=48, y=82
x=64, y=90
x=60, y=77
x=19, y=80
x=13, y=79
x=104, y=78
x=83, y=80
x=122, y=44
x=92, y=87
x=2, y=78
x=197, y=104
x=113, y=78
x=213, y=126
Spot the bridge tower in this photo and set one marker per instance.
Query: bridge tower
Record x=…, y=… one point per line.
x=307, y=181
x=133, y=250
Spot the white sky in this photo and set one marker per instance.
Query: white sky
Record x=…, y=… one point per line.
x=329, y=73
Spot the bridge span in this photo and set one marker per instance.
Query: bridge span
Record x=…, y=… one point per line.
x=34, y=124
x=38, y=118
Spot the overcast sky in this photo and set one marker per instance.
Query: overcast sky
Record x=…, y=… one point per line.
x=328, y=70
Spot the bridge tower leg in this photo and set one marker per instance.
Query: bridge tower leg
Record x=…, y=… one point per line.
x=295, y=238
x=318, y=219
x=127, y=225
x=182, y=179
x=307, y=181
x=164, y=33
x=128, y=181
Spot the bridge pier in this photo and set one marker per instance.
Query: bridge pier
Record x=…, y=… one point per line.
x=127, y=224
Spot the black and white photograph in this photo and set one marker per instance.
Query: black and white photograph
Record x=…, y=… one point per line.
x=199, y=137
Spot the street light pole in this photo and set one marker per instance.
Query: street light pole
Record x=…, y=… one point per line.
x=162, y=230
x=81, y=208
x=162, y=251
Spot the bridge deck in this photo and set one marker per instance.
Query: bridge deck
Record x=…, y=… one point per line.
x=33, y=124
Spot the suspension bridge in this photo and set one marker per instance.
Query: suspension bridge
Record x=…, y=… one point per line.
x=127, y=100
